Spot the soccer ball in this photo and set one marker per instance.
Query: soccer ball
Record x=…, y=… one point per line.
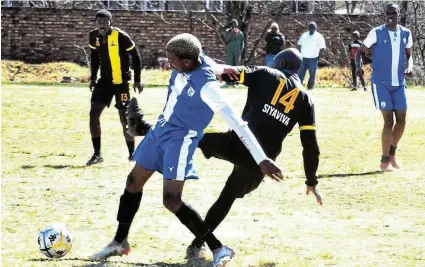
x=54, y=241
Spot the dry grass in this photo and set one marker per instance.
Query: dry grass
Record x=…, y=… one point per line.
x=19, y=72
x=368, y=218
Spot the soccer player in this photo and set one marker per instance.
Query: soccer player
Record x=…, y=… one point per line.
x=168, y=147
x=110, y=49
x=352, y=49
x=391, y=61
x=276, y=102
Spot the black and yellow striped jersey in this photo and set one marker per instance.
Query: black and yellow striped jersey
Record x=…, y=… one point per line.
x=112, y=53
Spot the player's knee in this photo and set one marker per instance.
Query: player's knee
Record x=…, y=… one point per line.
x=133, y=184
x=401, y=121
x=227, y=197
x=172, y=202
x=94, y=115
x=388, y=123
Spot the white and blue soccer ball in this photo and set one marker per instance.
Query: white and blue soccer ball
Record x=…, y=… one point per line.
x=54, y=241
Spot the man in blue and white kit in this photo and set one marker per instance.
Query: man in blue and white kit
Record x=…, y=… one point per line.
x=391, y=61
x=193, y=97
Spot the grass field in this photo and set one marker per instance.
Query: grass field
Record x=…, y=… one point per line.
x=368, y=218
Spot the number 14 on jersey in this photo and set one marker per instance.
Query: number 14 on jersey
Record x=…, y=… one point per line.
x=288, y=99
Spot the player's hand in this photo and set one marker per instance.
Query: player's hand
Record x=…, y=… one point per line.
x=408, y=72
x=269, y=168
x=232, y=72
x=92, y=85
x=315, y=192
x=138, y=86
x=360, y=72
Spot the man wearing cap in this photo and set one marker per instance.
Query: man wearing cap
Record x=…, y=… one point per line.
x=110, y=50
x=234, y=40
x=274, y=43
x=310, y=42
x=352, y=49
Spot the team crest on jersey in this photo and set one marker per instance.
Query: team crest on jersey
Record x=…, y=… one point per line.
x=383, y=104
x=385, y=41
x=190, y=92
x=97, y=41
x=112, y=43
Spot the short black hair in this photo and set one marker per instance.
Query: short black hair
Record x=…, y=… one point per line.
x=103, y=13
x=394, y=5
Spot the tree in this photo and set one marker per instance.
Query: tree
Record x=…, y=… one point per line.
x=248, y=14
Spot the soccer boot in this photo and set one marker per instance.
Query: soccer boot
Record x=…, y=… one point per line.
x=95, y=159
x=194, y=252
x=113, y=249
x=222, y=256
x=386, y=167
x=394, y=163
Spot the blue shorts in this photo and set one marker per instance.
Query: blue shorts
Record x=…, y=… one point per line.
x=389, y=97
x=169, y=150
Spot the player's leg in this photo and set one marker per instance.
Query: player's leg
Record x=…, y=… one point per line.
x=101, y=98
x=303, y=70
x=353, y=74
x=127, y=209
x=192, y=220
x=122, y=100
x=312, y=68
x=400, y=111
x=382, y=99
x=147, y=161
x=178, y=166
x=241, y=181
x=362, y=81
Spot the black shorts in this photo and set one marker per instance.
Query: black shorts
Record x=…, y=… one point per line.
x=104, y=92
x=246, y=175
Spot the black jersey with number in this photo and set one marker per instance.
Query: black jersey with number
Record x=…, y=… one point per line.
x=276, y=102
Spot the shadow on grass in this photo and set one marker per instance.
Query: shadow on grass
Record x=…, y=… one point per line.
x=27, y=167
x=191, y=263
x=341, y=175
x=57, y=167
x=264, y=264
x=60, y=166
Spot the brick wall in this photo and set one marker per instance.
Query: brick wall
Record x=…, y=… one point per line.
x=45, y=35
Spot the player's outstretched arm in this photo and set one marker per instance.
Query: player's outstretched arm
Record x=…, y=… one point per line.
x=210, y=94
x=311, y=152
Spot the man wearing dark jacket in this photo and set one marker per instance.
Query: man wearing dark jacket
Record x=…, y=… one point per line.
x=275, y=41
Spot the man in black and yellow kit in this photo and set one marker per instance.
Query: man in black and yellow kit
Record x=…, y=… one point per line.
x=110, y=49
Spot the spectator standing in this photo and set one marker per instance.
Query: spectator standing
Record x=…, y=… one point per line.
x=352, y=49
x=235, y=43
x=310, y=44
x=275, y=41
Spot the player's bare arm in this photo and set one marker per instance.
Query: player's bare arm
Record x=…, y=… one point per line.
x=358, y=60
x=94, y=67
x=135, y=55
x=409, y=67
